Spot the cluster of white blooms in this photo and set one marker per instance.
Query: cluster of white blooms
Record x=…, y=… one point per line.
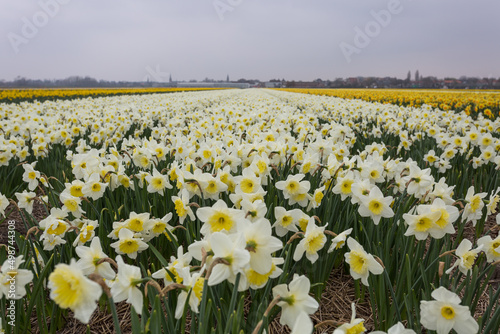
x=215, y=157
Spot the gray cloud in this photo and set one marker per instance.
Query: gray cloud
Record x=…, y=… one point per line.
x=289, y=39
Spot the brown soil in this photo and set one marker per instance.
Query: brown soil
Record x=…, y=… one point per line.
x=335, y=305
x=101, y=322
x=13, y=214
x=336, y=300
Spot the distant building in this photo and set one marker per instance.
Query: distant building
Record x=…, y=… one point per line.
x=213, y=85
x=272, y=84
x=304, y=84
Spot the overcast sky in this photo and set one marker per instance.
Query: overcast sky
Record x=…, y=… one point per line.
x=261, y=39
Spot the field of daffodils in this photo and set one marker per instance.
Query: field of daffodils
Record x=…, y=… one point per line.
x=227, y=211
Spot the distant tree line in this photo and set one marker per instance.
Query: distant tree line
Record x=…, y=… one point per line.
x=353, y=82
x=388, y=82
x=75, y=82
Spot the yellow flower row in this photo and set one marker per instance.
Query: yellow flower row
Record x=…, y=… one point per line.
x=19, y=95
x=472, y=103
